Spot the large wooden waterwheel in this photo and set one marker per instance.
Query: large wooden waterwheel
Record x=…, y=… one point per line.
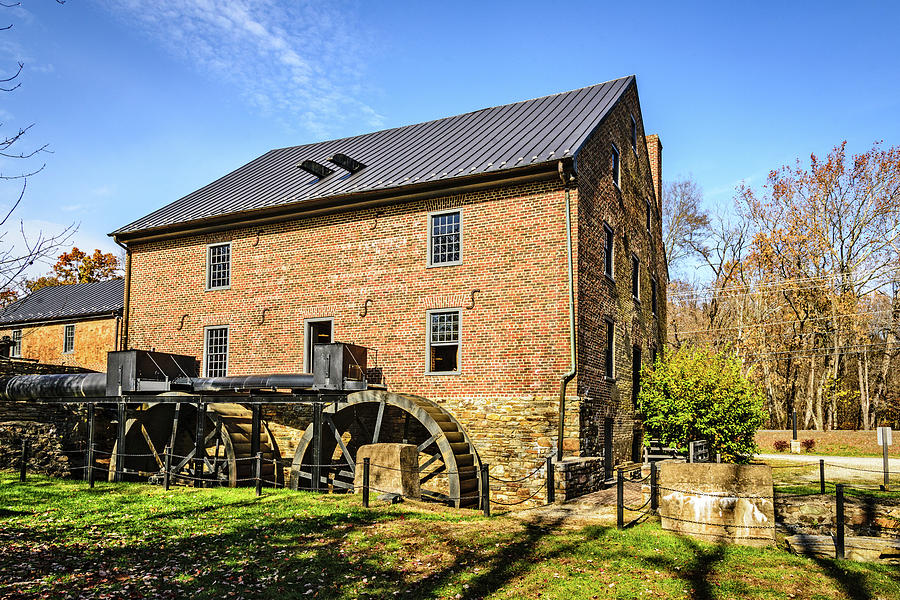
x=449, y=466
x=226, y=450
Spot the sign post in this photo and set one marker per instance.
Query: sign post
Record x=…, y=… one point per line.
x=884, y=440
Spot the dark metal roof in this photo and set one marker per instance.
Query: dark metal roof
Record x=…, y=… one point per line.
x=490, y=140
x=66, y=302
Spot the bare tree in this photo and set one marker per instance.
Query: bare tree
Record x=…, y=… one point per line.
x=19, y=250
x=685, y=223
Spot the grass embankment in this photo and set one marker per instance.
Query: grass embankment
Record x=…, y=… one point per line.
x=60, y=540
x=831, y=443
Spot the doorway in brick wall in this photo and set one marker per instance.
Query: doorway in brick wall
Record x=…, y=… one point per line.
x=316, y=331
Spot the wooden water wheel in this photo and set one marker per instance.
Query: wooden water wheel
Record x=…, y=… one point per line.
x=449, y=466
x=225, y=453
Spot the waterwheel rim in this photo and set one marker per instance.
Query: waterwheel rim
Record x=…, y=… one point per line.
x=459, y=460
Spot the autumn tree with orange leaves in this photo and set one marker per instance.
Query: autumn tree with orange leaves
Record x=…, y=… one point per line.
x=805, y=286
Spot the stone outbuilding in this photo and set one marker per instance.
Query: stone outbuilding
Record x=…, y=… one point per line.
x=71, y=325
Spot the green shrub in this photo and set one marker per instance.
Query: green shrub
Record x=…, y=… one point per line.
x=695, y=394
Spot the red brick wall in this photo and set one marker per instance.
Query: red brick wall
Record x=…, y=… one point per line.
x=514, y=341
x=624, y=209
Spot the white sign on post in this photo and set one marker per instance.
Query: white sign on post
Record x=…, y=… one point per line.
x=884, y=436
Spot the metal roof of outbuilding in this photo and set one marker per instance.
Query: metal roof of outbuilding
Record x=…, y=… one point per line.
x=66, y=302
x=502, y=138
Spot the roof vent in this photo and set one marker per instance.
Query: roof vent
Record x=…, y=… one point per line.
x=314, y=168
x=345, y=162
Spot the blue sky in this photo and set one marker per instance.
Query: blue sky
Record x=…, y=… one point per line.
x=142, y=103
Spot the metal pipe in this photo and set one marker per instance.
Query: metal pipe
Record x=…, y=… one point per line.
x=34, y=387
x=252, y=382
x=564, y=381
x=126, y=300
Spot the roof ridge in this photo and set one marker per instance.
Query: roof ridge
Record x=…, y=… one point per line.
x=471, y=112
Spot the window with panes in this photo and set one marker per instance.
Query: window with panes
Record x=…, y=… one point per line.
x=215, y=353
x=445, y=238
x=443, y=341
x=218, y=266
x=69, y=339
x=16, y=349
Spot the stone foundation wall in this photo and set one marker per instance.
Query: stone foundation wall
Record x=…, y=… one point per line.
x=816, y=514
x=578, y=476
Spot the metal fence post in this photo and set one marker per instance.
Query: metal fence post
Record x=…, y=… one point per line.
x=365, y=486
x=259, y=473
x=317, y=447
x=887, y=470
x=654, y=487
x=839, y=534
x=821, y=475
x=167, y=475
x=89, y=454
x=90, y=465
x=485, y=490
x=794, y=420
x=620, y=500
x=551, y=481
x=23, y=465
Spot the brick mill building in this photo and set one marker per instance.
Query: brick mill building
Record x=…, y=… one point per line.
x=445, y=248
x=71, y=325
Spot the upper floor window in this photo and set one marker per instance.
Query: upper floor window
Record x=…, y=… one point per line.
x=609, y=355
x=633, y=134
x=445, y=238
x=443, y=341
x=653, y=300
x=218, y=266
x=69, y=339
x=649, y=216
x=215, y=352
x=615, y=165
x=635, y=277
x=608, y=250
x=16, y=348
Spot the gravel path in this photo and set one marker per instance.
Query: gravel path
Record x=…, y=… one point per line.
x=854, y=462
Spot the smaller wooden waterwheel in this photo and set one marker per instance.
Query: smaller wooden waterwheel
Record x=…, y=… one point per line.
x=449, y=466
x=226, y=450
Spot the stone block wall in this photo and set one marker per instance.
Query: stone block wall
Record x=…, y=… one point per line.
x=576, y=477
x=816, y=514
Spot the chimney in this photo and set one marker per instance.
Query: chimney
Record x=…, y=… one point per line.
x=654, y=151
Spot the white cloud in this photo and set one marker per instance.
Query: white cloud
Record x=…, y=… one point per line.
x=296, y=61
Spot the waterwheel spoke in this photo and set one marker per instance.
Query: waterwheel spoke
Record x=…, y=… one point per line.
x=437, y=471
x=378, y=422
x=427, y=442
x=337, y=436
x=184, y=460
x=429, y=462
x=150, y=445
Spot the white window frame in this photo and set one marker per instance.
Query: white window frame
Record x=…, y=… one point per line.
x=65, y=337
x=616, y=165
x=206, y=348
x=431, y=216
x=15, y=350
x=459, y=341
x=209, y=248
x=308, y=355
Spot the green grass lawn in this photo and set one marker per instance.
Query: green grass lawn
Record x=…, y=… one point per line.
x=58, y=539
